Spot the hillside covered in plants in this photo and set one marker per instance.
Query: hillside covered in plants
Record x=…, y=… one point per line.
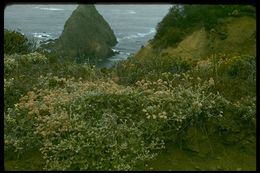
x=185, y=101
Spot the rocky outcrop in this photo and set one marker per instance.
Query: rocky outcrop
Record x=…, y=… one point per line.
x=86, y=35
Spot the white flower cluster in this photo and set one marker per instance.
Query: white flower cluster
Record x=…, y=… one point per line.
x=34, y=58
x=10, y=63
x=8, y=83
x=153, y=112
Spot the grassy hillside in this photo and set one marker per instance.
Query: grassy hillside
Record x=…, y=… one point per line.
x=204, y=51
x=189, y=104
x=197, y=44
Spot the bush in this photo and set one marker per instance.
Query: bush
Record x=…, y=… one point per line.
x=22, y=73
x=74, y=138
x=33, y=58
x=102, y=125
x=167, y=100
x=239, y=125
x=241, y=66
x=15, y=42
x=235, y=74
x=132, y=70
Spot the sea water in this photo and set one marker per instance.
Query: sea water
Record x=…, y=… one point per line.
x=133, y=24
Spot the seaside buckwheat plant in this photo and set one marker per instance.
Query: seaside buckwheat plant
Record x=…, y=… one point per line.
x=33, y=58
x=169, y=110
x=87, y=125
x=81, y=126
x=10, y=63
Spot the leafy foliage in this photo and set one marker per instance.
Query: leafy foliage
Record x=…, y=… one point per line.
x=17, y=68
x=102, y=125
x=182, y=19
x=15, y=42
x=243, y=67
x=132, y=70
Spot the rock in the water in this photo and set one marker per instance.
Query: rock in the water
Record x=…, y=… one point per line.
x=86, y=35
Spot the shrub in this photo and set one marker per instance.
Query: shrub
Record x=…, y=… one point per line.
x=33, y=58
x=168, y=103
x=102, y=125
x=241, y=66
x=238, y=126
x=22, y=73
x=15, y=42
x=19, y=138
x=10, y=64
x=235, y=74
x=74, y=138
x=132, y=70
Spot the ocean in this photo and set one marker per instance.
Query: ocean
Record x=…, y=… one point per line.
x=133, y=25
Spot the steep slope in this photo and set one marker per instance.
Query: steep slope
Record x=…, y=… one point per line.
x=86, y=35
x=215, y=44
x=240, y=39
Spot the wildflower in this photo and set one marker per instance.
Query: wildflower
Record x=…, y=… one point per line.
x=211, y=81
x=159, y=81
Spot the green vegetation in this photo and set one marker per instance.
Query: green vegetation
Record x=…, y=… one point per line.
x=15, y=42
x=155, y=111
x=183, y=19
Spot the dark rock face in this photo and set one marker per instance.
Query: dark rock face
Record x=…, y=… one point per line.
x=86, y=35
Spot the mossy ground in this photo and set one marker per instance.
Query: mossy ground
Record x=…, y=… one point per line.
x=31, y=162
x=224, y=157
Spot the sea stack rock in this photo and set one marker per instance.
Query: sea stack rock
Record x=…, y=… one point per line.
x=86, y=36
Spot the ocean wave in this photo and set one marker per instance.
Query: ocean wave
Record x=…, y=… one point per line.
x=121, y=56
x=115, y=59
x=131, y=12
x=117, y=11
x=50, y=9
x=115, y=50
x=152, y=30
x=41, y=35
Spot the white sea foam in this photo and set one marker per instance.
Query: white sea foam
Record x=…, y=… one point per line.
x=41, y=35
x=131, y=12
x=115, y=50
x=152, y=30
x=50, y=9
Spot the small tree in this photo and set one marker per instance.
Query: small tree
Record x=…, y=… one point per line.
x=15, y=42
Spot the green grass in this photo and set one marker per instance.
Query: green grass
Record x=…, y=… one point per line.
x=222, y=158
x=31, y=162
